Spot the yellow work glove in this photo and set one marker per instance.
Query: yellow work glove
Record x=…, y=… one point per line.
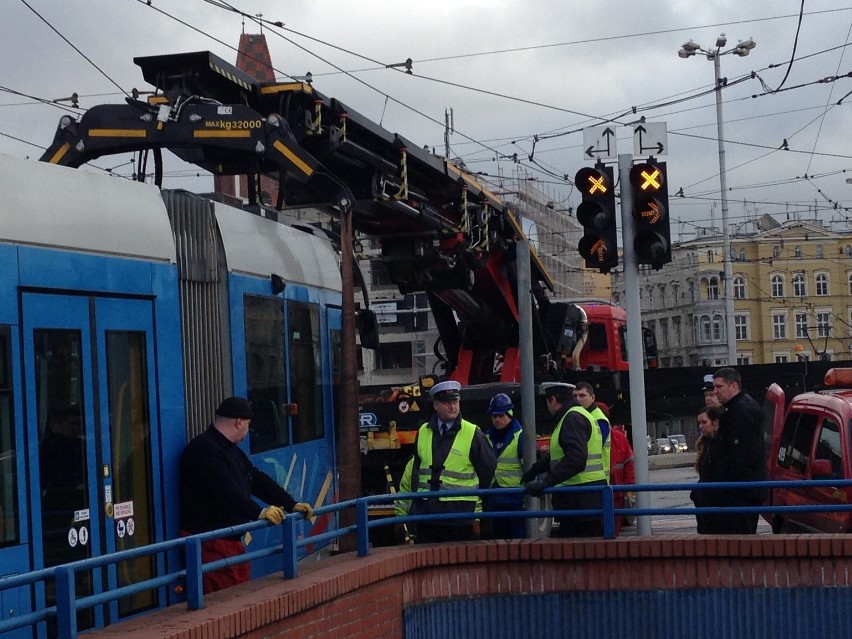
x=305, y=509
x=273, y=514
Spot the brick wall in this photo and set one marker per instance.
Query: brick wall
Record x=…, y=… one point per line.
x=364, y=598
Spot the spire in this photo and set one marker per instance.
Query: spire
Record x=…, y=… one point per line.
x=253, y=57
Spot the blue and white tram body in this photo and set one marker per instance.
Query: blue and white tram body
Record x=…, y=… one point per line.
x=126, y=315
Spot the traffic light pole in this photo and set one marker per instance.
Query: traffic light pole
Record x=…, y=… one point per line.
x=639, y=426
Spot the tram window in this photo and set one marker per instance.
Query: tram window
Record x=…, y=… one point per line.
x=8, y=454
x=306, y=371
x=266, y=373
x=62, y=445
x=130, y=436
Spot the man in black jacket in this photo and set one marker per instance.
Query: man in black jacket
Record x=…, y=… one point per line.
x=736, y=455
x=217, y=482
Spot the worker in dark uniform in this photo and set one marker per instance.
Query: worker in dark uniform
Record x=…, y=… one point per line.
x=451, y=453
x=217, y=481
x=575, y=458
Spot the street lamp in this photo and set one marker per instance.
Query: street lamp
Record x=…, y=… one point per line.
x=742, y=49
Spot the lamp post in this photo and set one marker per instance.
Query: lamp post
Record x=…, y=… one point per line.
x=742, y=49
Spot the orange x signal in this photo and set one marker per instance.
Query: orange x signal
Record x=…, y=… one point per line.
x=651, y=180
x=597, y=184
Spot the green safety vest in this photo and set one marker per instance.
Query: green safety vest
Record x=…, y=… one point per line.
x=594, y=470
x=458, y=472
x=509, y=468
x=598, y=415
x=402, y=506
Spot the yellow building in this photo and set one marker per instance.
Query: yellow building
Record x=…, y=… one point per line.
x=792, y=288
x=793, y=294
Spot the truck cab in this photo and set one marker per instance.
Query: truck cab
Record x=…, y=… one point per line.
x=810, y=440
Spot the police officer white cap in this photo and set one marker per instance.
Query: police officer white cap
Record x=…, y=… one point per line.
x=446, y=390
x=556, y=386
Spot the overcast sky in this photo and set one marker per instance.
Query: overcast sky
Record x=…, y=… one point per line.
x=509, y=69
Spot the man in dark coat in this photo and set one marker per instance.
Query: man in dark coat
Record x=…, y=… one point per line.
x=217, y=482
x=736, y=455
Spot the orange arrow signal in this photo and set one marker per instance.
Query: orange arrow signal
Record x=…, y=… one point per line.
x=652, y=213
x=599, y=247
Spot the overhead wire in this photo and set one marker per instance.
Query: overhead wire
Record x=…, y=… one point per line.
x=828, y=99
x=535, y=165
x=75, y=47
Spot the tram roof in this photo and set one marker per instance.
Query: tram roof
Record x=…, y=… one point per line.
x=52, y=206
x=259, y=246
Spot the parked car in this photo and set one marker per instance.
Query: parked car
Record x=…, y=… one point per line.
x=811, y=440
x=678, y=443
x=663, y=445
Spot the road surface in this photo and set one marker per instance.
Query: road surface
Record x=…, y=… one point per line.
x=680, y=523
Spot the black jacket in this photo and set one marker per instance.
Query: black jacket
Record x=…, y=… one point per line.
x=735, y=454
x=217, y=481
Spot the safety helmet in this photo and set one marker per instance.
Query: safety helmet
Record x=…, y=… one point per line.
x=500, y=404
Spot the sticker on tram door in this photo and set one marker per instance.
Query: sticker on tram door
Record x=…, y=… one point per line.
x=72, y=537
x=131, y=526
x=123, y=509
x=83, y=535
x=120, y=528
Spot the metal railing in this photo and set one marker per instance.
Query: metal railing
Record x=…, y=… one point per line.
x=68, y=604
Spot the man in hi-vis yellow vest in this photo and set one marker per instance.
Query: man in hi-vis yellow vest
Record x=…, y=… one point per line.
x=575, y=458
x=451, y=453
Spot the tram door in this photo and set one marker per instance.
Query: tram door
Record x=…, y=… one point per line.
x=91, y=429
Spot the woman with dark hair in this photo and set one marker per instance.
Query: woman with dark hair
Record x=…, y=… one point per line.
x=708, y=424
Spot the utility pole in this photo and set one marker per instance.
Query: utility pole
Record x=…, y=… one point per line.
x=636, y=373
x=448, y=129
x=348, y=438
x=742, y=49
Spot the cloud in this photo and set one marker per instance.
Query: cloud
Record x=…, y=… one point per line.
x=597, y=58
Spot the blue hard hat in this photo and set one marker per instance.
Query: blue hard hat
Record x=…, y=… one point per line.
x=500, y=404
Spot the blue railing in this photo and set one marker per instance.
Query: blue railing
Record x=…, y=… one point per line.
x=68, y=604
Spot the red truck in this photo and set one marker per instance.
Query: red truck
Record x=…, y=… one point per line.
x=810, y=440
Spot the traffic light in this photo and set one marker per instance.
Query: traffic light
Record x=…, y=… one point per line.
x=653, y=243
x=599, y=245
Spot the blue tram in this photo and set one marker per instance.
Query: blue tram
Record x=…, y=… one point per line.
x=126, y=314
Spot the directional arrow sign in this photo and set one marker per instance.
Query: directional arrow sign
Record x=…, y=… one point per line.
x=599, y=142
x=650, y=138
x=651, y=213
x=599, y=247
